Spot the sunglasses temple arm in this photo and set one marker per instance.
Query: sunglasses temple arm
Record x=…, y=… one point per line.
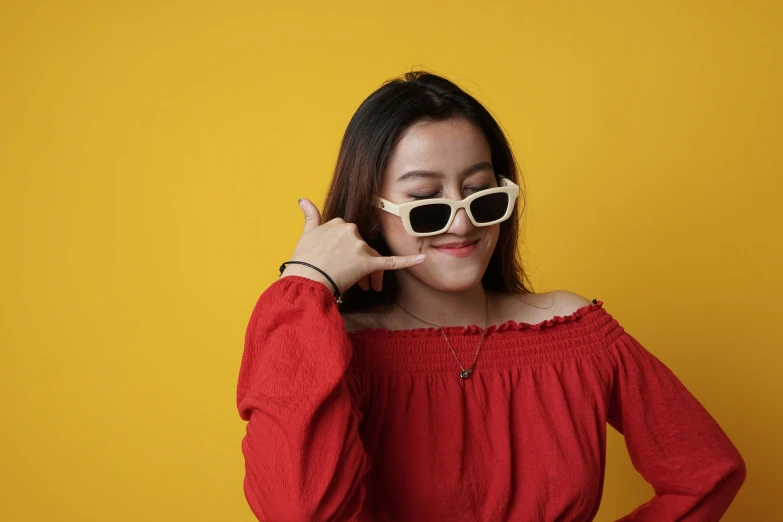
x=388, y=206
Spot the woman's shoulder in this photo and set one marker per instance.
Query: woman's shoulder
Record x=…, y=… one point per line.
x=533, y=308
x=568, y=302
x=355, y=321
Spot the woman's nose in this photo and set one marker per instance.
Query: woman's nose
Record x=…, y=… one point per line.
x=462, y=225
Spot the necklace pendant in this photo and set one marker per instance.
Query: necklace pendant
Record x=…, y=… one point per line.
x=464, y=374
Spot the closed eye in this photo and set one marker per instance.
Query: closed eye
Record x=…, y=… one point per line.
x=419, y=198
x=472, y=190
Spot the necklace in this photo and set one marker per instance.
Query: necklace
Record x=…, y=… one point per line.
x=465, y=372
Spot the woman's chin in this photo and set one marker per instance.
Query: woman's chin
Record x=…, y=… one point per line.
x=456, y=280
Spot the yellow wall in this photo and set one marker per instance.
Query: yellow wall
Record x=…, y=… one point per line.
x=152, y=154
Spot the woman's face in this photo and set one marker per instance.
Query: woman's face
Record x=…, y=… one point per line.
x=444, y=159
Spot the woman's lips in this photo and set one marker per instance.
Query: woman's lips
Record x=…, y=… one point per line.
x=458, y=251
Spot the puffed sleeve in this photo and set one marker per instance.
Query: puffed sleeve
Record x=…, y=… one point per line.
x=673, y=442
x=304, y=460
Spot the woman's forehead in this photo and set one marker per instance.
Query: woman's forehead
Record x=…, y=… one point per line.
x=437, y=149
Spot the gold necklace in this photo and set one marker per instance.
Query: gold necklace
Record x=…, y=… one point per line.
x=465, y=372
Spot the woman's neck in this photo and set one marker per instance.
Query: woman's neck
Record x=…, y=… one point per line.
x=461, y=308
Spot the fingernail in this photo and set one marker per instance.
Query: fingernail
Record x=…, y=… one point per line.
x=420, y=257
x=300, y=202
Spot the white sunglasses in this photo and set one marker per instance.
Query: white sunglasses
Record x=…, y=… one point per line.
x=429, y=217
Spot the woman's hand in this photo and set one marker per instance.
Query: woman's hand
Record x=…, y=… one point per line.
x=337, y=248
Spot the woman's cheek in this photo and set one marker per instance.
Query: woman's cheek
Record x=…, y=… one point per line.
x=399, y=241
x=492, y=238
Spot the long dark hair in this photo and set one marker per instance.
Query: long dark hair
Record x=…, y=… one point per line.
x=372, y=133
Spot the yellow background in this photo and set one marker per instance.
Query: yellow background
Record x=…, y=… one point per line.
x=152, y=154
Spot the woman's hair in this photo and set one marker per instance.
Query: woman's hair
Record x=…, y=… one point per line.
x=372, y=133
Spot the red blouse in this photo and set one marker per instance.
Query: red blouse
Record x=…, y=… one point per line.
x=377, y=425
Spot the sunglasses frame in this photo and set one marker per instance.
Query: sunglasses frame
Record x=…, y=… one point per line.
x=403, y=210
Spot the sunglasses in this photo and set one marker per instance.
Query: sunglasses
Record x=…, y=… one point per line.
x=434, y=216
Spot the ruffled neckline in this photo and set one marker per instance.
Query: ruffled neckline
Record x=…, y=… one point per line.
x=509, y=325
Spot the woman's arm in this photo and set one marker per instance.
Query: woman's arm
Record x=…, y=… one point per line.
x=673, y=442
x=303, y=456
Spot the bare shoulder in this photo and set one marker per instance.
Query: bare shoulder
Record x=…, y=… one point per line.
x=567, y=302
x=360, y=321
x=536, y=307
x=353, y=322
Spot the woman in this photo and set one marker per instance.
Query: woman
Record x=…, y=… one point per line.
x=408, y=372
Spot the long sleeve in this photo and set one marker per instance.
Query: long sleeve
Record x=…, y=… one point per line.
x=304, y=459
x=673, y=442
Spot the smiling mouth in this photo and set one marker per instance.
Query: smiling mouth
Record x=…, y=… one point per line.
x=455, y=246
x=461, y=249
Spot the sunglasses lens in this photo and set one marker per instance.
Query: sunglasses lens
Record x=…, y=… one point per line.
x=430, y=218
x=491, y=207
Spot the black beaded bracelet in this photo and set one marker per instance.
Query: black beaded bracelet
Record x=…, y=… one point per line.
x=337, y=294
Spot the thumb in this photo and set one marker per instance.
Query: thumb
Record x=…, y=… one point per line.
x=312, y=216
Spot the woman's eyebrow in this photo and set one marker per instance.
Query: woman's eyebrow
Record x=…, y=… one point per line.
x=430, y=174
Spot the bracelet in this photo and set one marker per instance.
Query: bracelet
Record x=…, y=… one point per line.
x=337, y=293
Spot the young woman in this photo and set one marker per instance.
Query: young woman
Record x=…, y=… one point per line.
x=406, y=371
